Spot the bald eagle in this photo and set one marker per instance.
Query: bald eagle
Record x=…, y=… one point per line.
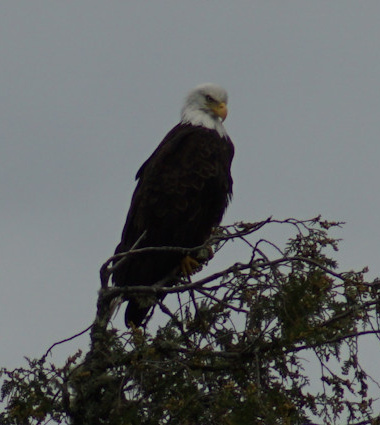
x=182, y=192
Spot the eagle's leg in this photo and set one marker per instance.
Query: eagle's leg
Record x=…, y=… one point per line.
x=189, y=265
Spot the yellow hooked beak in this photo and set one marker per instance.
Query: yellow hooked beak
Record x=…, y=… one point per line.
x=220, y=110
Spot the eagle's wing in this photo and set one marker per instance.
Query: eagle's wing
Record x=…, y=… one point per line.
x=182, y=192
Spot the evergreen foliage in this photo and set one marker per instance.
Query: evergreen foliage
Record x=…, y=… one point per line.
x=236, y=350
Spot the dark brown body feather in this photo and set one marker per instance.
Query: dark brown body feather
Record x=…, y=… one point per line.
x=182, y=192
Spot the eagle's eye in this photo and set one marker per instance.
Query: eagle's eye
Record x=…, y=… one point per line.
x=209, y=98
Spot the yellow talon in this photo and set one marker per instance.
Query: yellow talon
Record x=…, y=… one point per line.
x=189, y=265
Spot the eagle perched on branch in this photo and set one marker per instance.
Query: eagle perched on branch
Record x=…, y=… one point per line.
x=182, y=192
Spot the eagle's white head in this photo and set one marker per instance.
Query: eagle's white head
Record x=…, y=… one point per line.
x=206, y=106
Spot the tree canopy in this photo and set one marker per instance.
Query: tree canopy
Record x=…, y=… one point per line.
x=237, y=348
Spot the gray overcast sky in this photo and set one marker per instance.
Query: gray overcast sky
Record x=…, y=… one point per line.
x=89, y=88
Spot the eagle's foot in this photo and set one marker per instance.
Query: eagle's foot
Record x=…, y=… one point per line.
x=189, y=266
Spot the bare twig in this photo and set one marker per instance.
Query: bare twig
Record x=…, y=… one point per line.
x=66, y=340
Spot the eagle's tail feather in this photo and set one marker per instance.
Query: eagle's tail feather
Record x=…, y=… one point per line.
x=135, y=314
